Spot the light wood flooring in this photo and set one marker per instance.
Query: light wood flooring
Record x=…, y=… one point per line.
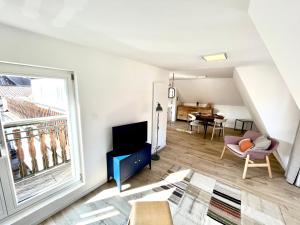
x=193, y=151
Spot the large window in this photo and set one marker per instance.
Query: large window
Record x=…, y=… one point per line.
x=40, y=135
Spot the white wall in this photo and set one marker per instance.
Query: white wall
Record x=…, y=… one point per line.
x=221, y=92
x=112, y=91
x=233, y=112
x=159, y=89
x=278, y=23
x=269, y=100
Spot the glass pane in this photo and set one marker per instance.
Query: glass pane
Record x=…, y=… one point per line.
x=34, y=116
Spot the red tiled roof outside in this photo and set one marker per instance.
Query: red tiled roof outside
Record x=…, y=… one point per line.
x=25, y=109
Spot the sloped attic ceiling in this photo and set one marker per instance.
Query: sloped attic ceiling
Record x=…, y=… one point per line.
x=171, y=34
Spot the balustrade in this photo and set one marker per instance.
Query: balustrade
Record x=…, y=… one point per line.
x=40, y=144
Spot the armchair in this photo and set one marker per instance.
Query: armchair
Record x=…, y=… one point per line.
x=231, y=143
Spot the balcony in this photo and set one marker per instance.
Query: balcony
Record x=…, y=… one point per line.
x=39, y=153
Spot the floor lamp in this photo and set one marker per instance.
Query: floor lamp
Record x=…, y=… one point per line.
x=158, y=109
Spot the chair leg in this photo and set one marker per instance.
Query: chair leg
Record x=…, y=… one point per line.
x=223, y=152
x=269, y=166
x=246, y=167
x=212, y=135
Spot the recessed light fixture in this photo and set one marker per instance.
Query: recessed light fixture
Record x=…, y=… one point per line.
x=189, y=77
x=215, y=57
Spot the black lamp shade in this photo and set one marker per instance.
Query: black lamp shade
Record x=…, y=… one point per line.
x=159, y=108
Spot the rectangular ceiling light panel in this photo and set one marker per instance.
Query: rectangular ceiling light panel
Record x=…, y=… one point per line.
x=215, y=57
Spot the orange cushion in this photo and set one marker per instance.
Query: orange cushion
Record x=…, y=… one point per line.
x=245, y=144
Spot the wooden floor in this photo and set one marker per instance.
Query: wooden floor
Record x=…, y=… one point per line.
x=193, y=151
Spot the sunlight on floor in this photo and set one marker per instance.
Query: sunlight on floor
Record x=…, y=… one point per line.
x=108, y=193
x=177, y=176
x=110, y=211
x=99, y=218
x=184, y=130
x=170, y=179
x=142, y=188
x=157, y=196
x=111, y=192
x=95, y=212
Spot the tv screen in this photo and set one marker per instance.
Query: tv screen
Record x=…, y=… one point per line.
x=130, y=137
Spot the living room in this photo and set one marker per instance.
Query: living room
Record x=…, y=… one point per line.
x=93, y=66
x=238, y=101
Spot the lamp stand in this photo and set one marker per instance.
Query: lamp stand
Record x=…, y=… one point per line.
x=155, y=156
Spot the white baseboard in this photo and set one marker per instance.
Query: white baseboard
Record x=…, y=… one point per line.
x=279, y=160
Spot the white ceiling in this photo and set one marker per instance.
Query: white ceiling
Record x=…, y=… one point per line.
x=171, y=34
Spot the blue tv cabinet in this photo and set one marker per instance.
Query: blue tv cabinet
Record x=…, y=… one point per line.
x=121, y=167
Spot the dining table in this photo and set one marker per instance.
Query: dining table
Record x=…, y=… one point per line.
x=207, y=119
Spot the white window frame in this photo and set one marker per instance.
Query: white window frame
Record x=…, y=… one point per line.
x=74, y=127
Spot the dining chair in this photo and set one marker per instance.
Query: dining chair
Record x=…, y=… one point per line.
x=193, y=122
x=218, y=125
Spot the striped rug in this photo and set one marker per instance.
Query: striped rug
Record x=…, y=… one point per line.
x=197, y=199
x=225, y=205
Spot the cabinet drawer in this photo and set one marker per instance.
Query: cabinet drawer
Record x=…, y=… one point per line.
x=182, y=114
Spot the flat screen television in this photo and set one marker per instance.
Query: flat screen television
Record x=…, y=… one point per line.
x=130, y=137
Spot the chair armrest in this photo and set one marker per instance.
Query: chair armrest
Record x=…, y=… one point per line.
x=232, y=139
x=258, y=154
